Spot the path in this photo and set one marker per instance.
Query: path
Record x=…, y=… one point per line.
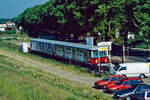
x=47, y=68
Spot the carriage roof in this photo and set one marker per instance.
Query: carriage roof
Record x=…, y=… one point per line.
x=68, y=44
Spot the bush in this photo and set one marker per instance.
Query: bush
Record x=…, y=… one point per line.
x=8, y=45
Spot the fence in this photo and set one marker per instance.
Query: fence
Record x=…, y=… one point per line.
x=117, y=50
x=134, y=54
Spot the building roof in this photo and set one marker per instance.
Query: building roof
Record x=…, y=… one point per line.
x=3, y=25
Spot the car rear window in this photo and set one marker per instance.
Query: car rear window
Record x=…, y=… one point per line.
x=120, y=78
x=114, y=79
x=126, y=83
x=141, y=94
x=119, y=83
x=138, y=89
x=107, y=78
x=132, y=82
x=139, y=81
x=146, y=87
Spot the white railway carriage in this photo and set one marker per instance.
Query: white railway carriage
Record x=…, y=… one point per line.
x=71, y=51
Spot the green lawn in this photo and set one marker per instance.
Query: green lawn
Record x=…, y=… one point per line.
x=21, y=82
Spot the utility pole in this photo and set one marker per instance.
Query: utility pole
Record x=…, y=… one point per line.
x=99, y=36
x=123, y=54
x=147, y=40
x=99, y=64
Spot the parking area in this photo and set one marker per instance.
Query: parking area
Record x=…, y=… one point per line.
x=147, y=80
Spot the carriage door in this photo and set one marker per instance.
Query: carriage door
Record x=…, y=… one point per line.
x=103, y=54
x=89, y=56
x=93, y=57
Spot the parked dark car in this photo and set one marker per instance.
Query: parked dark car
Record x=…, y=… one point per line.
x=130, y=93
x=143, y=95
x=123, y=84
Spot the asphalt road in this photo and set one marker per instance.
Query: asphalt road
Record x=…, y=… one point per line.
x=137, y=58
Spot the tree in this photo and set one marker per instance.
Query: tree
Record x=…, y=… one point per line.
x=108, y=17
x=79, y=17
x=142, y=17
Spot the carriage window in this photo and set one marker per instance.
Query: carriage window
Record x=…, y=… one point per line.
x=89, y=53
x=78, y=52
x=59, y=48
x=49, y=45
x=102, y=53
x=95, y=54
x=41, y=45
x=31, y=44
x=46, y=45
x=68, y=50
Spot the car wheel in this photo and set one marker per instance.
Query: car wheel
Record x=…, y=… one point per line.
x=128, y=98
x=142, y=76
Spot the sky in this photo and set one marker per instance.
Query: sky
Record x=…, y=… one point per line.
x=12, y=8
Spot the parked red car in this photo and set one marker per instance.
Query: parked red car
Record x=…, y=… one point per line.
x=123, y=84
x=110, y=79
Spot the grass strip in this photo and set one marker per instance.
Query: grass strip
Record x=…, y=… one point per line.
x=33, y=84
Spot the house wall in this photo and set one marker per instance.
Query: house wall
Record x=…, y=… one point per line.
x=2, y=27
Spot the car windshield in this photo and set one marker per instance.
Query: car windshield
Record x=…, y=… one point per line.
x=117, y=67
x=119, y=83
x=107, y=78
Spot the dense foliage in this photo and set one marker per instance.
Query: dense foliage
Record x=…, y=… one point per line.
x=76, y=18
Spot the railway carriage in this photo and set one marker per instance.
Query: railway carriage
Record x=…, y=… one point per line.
x=92, y=55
